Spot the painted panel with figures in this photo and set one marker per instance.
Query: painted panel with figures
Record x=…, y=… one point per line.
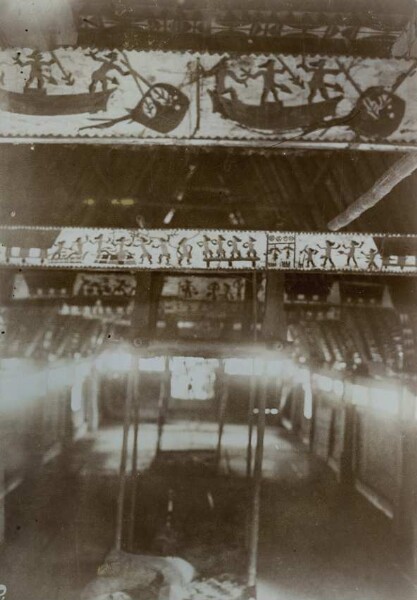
x=206, y=250
x=148, y=97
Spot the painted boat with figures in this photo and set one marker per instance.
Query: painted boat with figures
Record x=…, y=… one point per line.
x=273, y=115
x=38, y=102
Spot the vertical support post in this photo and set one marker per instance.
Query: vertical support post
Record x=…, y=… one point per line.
x=405, y=514
x=136, y=411
x=346, y=459
x=252, y=390
x=123, y=459
x=224, y=393
x=313, y=413
x=256, y=498
x=252, y=402
x=162, y=405
x=2, y=488
x=93, y=412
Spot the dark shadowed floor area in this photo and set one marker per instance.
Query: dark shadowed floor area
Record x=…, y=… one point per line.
x=316, y=542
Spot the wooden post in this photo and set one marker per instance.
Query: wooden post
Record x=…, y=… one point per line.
x=136, y=410
x=346, y=459
x=256, y=498
x=224, y=393
x=2, y=487
x=252, y=402
x=162, y=405
x=123, y=459
x=392, y=177
x=93, y=412
x=252, y=390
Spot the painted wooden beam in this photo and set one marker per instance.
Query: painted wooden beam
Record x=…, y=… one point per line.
x=399, y=171
x=155, y=98
x=204, y=250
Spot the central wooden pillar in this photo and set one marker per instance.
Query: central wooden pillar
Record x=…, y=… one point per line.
x=164, y=396
x=142, y=327
x=257, y=482
x=224, y=395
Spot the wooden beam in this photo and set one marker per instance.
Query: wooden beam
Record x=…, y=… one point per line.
x=392, y=177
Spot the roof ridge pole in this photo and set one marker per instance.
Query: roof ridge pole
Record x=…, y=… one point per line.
x=401, y=169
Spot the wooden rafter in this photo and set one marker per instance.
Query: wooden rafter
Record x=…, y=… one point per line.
x=399, y=171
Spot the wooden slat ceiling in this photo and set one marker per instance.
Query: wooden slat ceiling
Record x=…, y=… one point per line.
x=121, y=187
x=261, y=25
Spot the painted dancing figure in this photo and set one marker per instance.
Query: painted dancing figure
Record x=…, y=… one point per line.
x=351, y=252
x=328, y=250
x=164, y=254
x=184, y=251
x=371, y=257
x=144, y=252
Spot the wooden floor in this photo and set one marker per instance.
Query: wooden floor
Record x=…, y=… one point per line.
x=316, y=543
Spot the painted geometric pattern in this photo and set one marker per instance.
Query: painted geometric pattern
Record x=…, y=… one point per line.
x=207, y=250
x=152, y=97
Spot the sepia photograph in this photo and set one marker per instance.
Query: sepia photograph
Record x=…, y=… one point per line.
x=208, y=299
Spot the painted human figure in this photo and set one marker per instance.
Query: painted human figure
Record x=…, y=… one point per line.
x=101, y=75
x=77, y=249
x=122, y=255
x=250, y=245
x=184, y=251
x=234, y=244
x=221, y=252
x=212, y=290
x=239, y=286
x=317, y=83
x=351, y=252
x=228, y=292
x=100, y=249
x=60, y=252
x=274, y=253
x=309, y=254
x=221, y=71
x=187, y=289
x=37, y=70
x=205, y=244
x=270, y=86
x=328, y=250
x=371, y=256
x=143, y=242
x=164, y=254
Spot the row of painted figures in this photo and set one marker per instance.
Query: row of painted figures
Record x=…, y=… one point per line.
x=164, y=251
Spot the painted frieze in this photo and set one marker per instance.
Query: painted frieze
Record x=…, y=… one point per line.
x=203, y=250
x=154, y=97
